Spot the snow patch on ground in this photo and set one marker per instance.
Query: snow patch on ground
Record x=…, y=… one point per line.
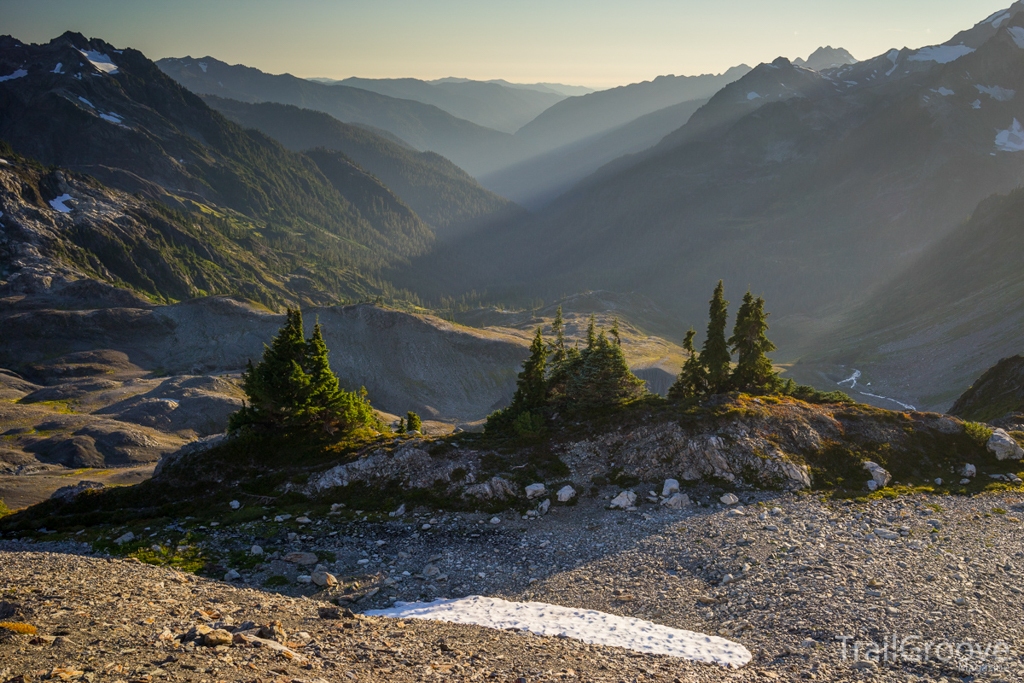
x=112, y=118
x=202, y=65
x=753, y=95
x=852, y=379
x=998, y=18
x=1017, y=33
x=20, y=73
x=976, y=104
x=945, y=92
x=56, y=69
x=942, y=54
x=85, y=101
x=58, y=203
x=1011, y=139
x=589, y=626
x=997, y=93
x=100, y=61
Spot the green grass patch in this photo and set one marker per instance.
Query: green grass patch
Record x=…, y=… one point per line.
x=276, y=581
x=980, y=433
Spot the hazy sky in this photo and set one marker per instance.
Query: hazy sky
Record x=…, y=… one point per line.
x=600, y=43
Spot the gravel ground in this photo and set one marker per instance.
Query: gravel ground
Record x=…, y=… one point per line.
x=806, y=585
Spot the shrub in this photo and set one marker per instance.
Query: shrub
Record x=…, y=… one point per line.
x=977, y=431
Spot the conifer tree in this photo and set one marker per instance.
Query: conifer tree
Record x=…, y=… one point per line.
x=615, y=332
x=692, y=380
x=714, y=355
x=532, y=389
x=558, y=346
x=753, y=370
x=293, y=385
x=591, y=332
x=413, y=423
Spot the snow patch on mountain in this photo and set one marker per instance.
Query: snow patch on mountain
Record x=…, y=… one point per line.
x=1017, y=33
x=56, y=69
x=998, y=18
x=100, y=61
x=753, y=95
x=941, y=54
x=57, y=203
x=1011, y=139
x=86, y=102
x=996, y=93
x=20, y=73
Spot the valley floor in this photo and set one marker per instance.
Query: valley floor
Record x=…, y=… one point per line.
x=791, y=577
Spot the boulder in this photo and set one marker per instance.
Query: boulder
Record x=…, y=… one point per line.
x=1003, y=446
x=566, y=493
x=968, y=470
x=669, y=487
x=217, y=637
x=677, y=501
x=624, y=500
x=544, y=506
x=879, y=475
x=535, y=491
x=729, y=499
x=126, y=538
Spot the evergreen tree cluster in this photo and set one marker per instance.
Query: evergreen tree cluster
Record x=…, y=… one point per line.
x=568, y=380
x=711, y=372
x=293, y=386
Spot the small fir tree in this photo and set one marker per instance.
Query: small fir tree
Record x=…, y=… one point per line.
x=692, y=380
x=714, y=355
x=413, y=423
x=293, y=386
x=753, y=370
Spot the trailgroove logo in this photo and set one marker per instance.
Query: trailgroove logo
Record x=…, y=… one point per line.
x=895, y=650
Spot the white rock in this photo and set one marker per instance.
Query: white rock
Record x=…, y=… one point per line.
x=303, y=520
x=624, y=500
x=535, y=491
x=303, y=578
x=938, y=481
x=735, y=512
x=566, y=493
x=872, y=485
x=878, y=475
x=127, y=538
x=968, y=470
x=887, y=534
x=232, y=575
x=495, y=520
x=1003, y=446
x=256, y=550
x=677, y=501
x=399, y=512
x=544, y=506
x=729, y=499
x=282, y=518
x=235, y=505
x=338, y=507
x=669, y=487
x=965, y=481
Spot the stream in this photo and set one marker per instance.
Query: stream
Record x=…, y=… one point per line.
x=852, y=380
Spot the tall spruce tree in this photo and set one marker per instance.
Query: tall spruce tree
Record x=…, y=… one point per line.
x=753, y=370
x=558, y=345
x=692, y=381
x=714, y=355
x=600, y=378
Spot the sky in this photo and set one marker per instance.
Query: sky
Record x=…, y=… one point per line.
x=598, y=43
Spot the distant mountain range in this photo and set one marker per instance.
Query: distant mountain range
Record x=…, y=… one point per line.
x=493, y=105
x=441, y=193
x=224, y=209
x=423, y=126
x=418, y=111
x=812, y=188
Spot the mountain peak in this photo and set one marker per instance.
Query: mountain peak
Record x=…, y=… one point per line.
x=826, y=57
